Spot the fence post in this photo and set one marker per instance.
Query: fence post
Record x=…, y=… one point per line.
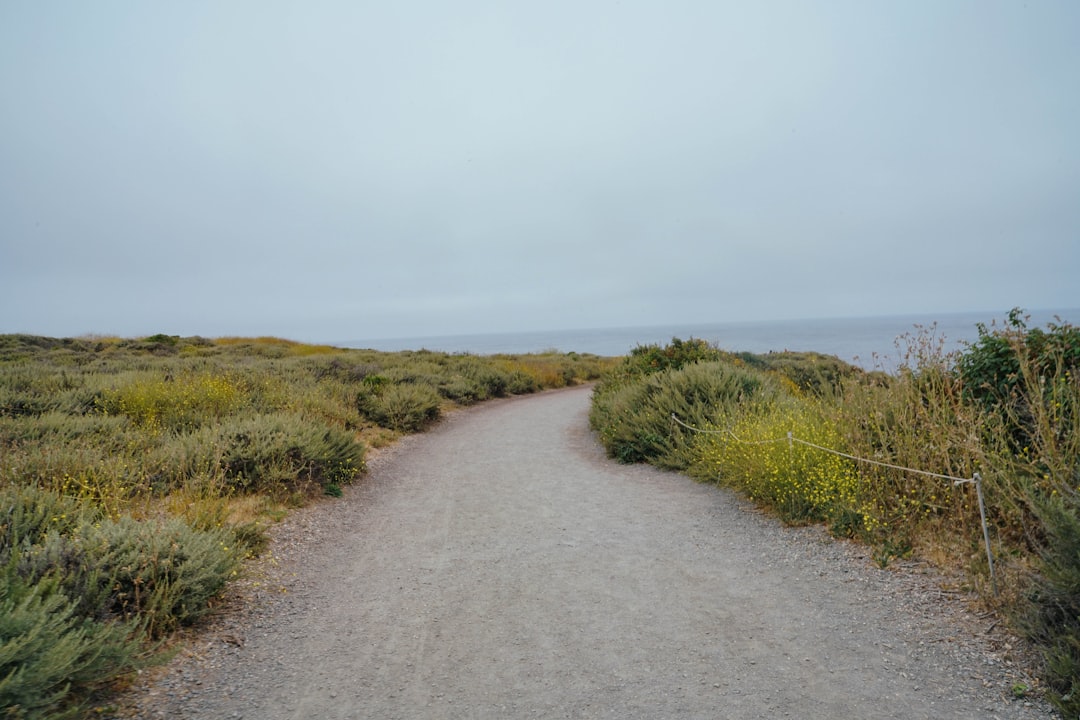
x=986, y=532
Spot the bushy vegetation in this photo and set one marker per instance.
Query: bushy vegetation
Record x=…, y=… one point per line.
x=401, y=406
x=137, y=474
x=49, y=656
x=83, y=596
x=798, y=481
x=1005, y=407
x=634, y=417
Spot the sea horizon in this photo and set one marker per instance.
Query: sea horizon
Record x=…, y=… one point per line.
x=870, y=342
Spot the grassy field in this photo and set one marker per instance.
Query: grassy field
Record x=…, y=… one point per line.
x=136, y=475
x=1007, y=408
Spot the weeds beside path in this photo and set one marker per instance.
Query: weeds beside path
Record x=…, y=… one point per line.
x=500, y=566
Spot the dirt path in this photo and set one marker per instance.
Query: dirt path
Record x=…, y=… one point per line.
x=501, y=567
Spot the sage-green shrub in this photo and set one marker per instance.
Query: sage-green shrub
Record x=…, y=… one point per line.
x=51, y=658
x=28, y=514
x=634, y=417
x=80, y=594
x=161, y=572
x=267, y=453
x=406, y=408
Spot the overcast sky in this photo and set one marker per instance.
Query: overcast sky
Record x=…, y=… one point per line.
x=329, y=171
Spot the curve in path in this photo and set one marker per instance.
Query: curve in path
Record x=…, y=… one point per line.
x=502, y=567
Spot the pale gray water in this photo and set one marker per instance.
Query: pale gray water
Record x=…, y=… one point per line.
x=869, y=342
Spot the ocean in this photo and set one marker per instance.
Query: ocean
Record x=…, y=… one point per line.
x=870, y=342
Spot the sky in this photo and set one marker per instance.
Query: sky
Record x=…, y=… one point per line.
x=335, y=170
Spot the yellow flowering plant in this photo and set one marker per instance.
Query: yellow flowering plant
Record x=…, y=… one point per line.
x=755, y=455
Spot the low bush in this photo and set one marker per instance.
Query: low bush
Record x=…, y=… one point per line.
x=51, y=658
x=993, y=367
x=801, y=483
x=159, y=571
x=162, y=573
x=634, y=419
x=529, y=373
x=80, y=595
x=1042, y=416
x=28, y=515
x=59, y=428
x=275, y=452
x=649, y=359
x=811, y=373
x=405, y=408
x=916, y=419
x=489, y=380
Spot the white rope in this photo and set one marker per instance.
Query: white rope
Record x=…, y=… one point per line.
x=792, y=438
x=723, y=432
x=706, y=432
x=955, y=480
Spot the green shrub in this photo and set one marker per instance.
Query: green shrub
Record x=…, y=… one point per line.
x=633, y=417
x=649, y=359
x=56, y=428
x=326, y=403
x=529, y=373
x=812, y=373
x=491, y=380
x=162, y=573
x=272, y=452
x=16, y=404
x=1030, y=387
x=79, y=594
x=188, y=460
x=50, y=657
x=521, y=383
x=463, y=390
x=1013, y=369
x=406, y=408
x=1051, y=614
x=95, y=472
x=465, y=378
x=28, y=514
x=914, y=420
x=416, y=371
x=342, y=371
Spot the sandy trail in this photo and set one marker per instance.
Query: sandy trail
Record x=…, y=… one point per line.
x=501, y=567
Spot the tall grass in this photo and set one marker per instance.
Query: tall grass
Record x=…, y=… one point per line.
x=1006, y=407
x=136, y=474
x=917, y=418
x=1028, y=381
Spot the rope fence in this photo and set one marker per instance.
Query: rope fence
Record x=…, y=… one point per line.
x=975, y=479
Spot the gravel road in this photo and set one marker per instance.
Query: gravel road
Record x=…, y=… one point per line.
x=500, y=566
